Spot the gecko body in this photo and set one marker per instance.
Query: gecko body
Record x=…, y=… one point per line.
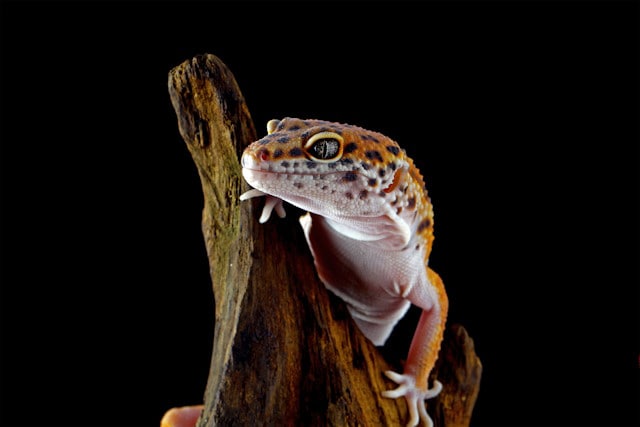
x=369, y=227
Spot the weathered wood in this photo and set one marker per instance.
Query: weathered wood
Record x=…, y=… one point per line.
x=285, y=351
x=459, y=370
x=215, y=123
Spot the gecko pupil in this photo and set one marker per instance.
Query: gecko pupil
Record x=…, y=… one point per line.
x=326, y=148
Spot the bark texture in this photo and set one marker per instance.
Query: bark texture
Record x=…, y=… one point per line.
x=285, y=351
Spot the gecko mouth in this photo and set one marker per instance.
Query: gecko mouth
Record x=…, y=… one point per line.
x=294, y=192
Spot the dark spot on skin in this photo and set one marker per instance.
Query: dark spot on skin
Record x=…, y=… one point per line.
x=284, y=164
x=382, y=194
x=324, y=187
x=294, y=127
x=298, y=185
x=372, y=182
x=394, y=201
x=265, y=140
x=311, y=165
x=363, y=194
x=365, y=166
x=295, y=164
x=350, y=176
x=277, y=153
x=283, y=140
x=350, y=147
x=369, y=138
x=392, y=165
x=332, y=165
x=381, y=172
x=373, y=155
x=305, y=135
x=412, y=203
x=393, y=149
x=404, y=190
x=295, y=152
x=399, y=210
x=338, y=131
x=346, y=161
x=280, y=126
x=349, y=196
x=424, y=224
x=417, y=247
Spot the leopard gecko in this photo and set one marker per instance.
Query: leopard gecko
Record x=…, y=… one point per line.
x=369, y=226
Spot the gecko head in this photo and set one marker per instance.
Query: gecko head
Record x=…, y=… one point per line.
x=327, y=168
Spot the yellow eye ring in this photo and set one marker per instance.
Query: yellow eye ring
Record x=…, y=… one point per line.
x=325, y=147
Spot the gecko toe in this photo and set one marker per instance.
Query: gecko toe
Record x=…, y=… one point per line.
x=398, y=392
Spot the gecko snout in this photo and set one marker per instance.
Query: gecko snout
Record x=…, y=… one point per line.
x=249, y=161
x=253, y=159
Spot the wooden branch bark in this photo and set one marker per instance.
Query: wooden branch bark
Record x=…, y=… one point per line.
x=285, y=351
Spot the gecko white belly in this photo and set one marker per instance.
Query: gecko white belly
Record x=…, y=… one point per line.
x=377, y=303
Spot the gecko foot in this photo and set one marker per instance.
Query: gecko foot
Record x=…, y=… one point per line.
x=414, y=396
x=270, y=204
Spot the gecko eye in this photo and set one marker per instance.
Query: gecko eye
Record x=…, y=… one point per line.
x=325, y=147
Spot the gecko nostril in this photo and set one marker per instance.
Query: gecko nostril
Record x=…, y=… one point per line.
x=262, y=154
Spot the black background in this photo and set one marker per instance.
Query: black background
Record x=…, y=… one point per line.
x=522, y=116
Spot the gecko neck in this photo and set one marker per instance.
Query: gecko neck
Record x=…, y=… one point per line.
x=357, y=230
x=385, y=232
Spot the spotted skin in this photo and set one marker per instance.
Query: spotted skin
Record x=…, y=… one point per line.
x=369, y=228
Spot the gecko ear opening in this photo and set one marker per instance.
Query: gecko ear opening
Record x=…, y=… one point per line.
x=394, y=182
